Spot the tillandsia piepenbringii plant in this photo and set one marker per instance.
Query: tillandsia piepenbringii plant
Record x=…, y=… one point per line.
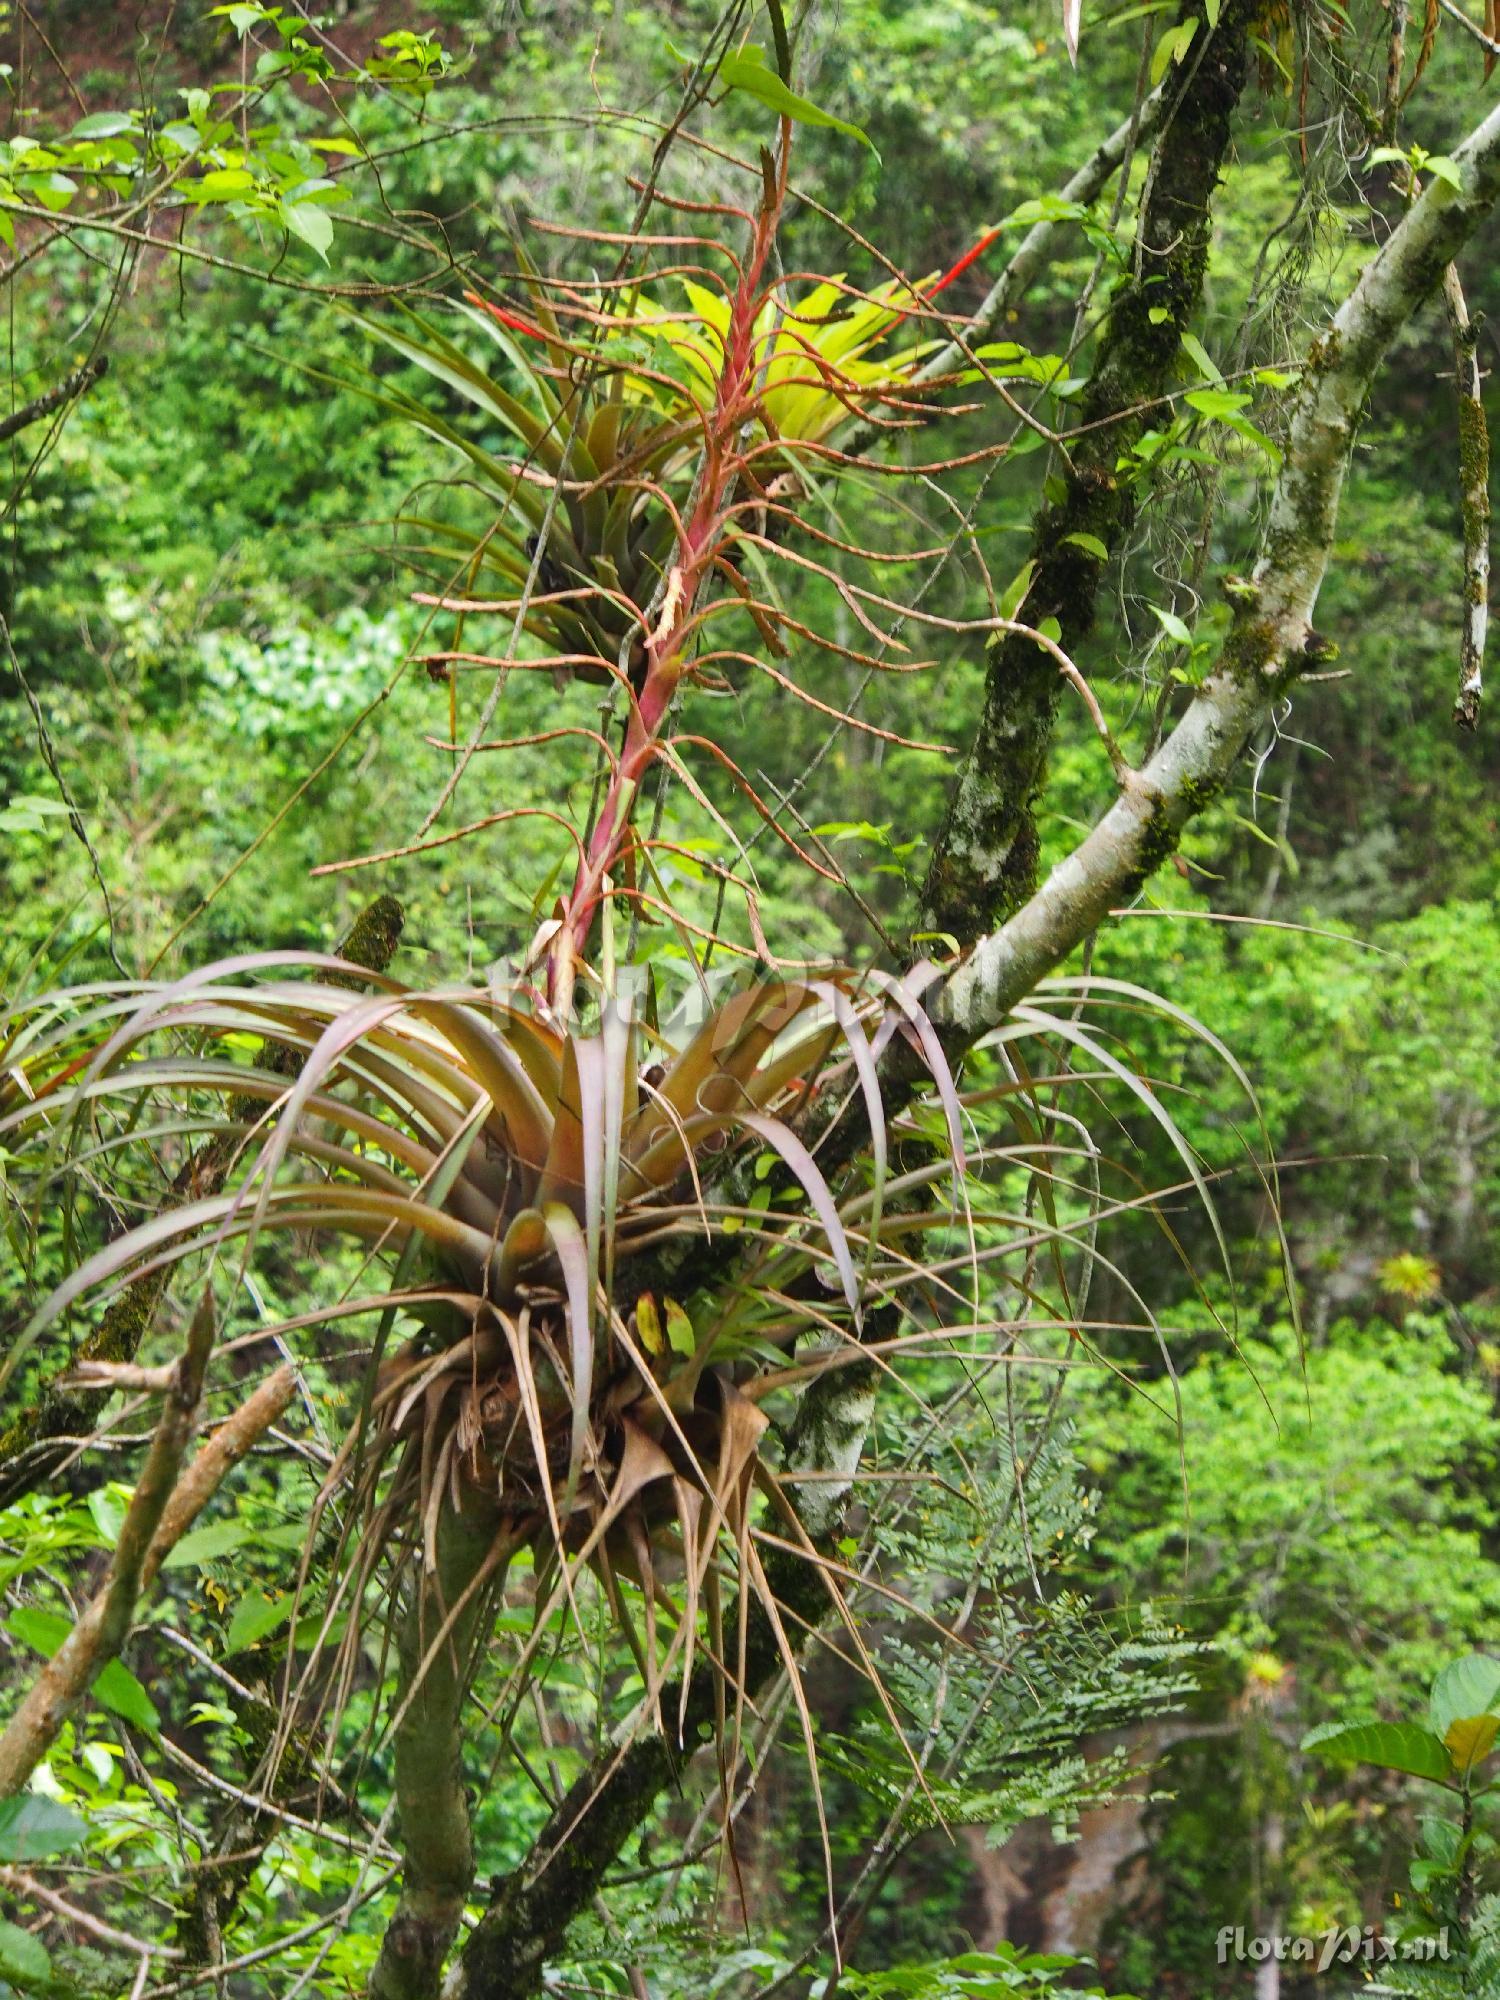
x=521, y=1186
x=622, y=1308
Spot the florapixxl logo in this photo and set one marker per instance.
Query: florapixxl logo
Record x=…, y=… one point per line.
x=1338, y=1945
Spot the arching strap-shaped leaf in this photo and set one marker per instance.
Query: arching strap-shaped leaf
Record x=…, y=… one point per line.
x=437, y=356
x=518, y=1103
x=538, y=1047
x=181, y=1231
x=1031, y=1020
x=621, y=1095
x=907, y=1010
x=783, y=1140
x=847, y=1016
x=564, y=1172
x=572, y=1255
x=803, y=1060
x=710, y=1077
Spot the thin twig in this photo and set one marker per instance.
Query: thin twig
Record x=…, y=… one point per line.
x=21, y=1883
x=53, y=399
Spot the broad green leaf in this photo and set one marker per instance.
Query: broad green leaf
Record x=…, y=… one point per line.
x=1045, y=208
x=26, y=812
x=107, y=1506
x=750, y=72
x=1201, y=359
x=114, y=1687
x=223, y=184
x=1393, y=1746
x=312, y=223
x=53, y=190
x=1464, y=1688
x=33, y=1828
x=205, y=1543
x=103, y=125
x=1172, y=625
x=1014, y=594
x=242, y=17
x=1091, y=544
x=255, y=1617
x=1172, y=47
x=1218, y=403
x=23, y=1958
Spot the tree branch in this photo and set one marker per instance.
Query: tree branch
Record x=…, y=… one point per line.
x=212, y=1464
x=984, y=860
x=1271, y=638
x=436, y=1645
x=105, y=1624
x=53, y=399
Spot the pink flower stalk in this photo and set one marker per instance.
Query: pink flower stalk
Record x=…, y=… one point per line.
x=700, y=541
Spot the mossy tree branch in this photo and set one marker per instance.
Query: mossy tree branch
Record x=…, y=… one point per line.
x=445, y=1622
x=1474, y=501
x=984, y=860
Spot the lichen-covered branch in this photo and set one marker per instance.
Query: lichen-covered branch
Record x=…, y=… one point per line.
x=43, y=1436
x=833, y=1421
x=105, y=1623
x=1473, y=500
x=984, y=860
x=1271, y=638
x=224, y=1875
